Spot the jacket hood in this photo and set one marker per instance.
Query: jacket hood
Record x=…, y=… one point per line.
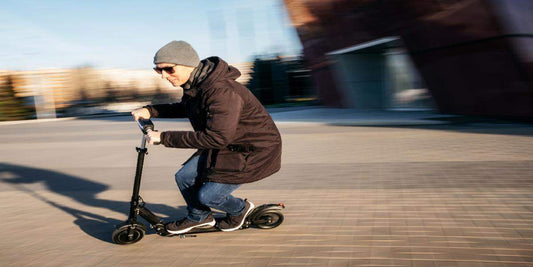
x=221, y=71
x=207, y=73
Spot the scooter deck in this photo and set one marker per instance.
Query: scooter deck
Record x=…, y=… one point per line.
x=209, y=229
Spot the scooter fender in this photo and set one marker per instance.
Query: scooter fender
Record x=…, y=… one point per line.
x=265, y=208
x=132, y=224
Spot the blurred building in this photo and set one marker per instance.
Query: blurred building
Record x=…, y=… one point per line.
x=45, y=93
x=474, y=56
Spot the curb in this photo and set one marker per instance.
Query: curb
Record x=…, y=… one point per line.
x=95, y=116
x=36, y=121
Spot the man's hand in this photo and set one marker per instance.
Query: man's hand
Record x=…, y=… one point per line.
x=141, y=113
x=153, y=137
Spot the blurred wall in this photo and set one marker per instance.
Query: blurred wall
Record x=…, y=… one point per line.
x=475, y=56
x=360, y=76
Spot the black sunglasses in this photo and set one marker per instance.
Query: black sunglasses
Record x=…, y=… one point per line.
x=168, y=70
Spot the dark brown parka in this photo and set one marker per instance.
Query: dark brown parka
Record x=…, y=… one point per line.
x=232, y=130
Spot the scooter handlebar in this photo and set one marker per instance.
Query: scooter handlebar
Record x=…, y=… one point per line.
x=145, y=125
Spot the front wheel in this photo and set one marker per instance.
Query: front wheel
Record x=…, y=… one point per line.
x=268, y=219
x=128, y=234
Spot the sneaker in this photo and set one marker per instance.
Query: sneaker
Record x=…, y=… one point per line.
x=184, y=225
x=232, y=223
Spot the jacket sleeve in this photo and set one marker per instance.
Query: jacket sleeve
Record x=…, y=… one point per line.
x=174, y=110
x=223, y=114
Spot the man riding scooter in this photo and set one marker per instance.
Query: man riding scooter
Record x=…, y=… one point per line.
x=237, y=141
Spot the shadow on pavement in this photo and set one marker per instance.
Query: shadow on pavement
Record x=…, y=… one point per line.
x=82, y=191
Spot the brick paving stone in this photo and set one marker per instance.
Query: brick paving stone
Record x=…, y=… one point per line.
x=434, y=195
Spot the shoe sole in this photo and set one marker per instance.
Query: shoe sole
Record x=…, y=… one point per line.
x=252, y=206
x=211, y=223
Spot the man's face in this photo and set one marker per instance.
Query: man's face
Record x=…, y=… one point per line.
x=177, y=75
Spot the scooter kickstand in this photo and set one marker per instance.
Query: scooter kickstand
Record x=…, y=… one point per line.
x=183, y=236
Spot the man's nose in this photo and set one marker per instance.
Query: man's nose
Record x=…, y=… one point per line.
x=164, y=74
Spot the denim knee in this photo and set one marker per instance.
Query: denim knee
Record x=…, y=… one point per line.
x=186, y=176
x=210, y=199
x=184, y=180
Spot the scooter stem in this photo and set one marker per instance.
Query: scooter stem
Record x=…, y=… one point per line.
x=137, y=184
x=143, y=142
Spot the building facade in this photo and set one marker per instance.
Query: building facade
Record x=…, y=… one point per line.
x=474, y=56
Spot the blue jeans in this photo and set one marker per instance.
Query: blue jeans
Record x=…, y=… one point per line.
x=201, y=197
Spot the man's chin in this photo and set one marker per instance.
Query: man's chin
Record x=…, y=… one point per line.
x=175, y=84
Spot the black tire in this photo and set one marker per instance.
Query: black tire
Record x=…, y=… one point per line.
x=268, y=219
x=128, y=234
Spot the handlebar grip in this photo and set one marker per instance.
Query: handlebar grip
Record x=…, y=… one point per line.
x=145, y=125
x=150, y=130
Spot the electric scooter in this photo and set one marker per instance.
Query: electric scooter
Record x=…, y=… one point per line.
x=266, y=216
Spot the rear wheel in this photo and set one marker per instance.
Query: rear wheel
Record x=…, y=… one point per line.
x=268, y=219
x=128, y=234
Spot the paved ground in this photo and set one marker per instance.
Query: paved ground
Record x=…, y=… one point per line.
x=401, y=192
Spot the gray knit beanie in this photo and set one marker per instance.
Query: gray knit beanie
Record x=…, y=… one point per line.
x=177, y=52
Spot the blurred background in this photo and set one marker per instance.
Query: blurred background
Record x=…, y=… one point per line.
x=471, y=57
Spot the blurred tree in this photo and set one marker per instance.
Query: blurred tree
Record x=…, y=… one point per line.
x=261, y=81
x=12, y=107
x=85, y=85
x=133, y=93
x=277, y=80
x=111, y=94
x=160, y=97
